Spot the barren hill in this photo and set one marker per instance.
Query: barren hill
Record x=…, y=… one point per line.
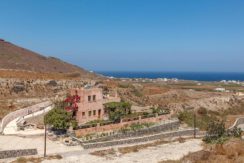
x=18, y=58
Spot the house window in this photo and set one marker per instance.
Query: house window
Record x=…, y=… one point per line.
x=99, y=113
x=94, y=112
x=90, y=113
x=74, y=113
x=89, y=98
x=83, y=113
x=94, y=97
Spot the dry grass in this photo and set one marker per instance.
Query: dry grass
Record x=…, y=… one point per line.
x=21, y=74
x=125, y=150
x=36, y=159
x=103, y=153
x=169, y=161
x=137, y=148
x=181, y=140
x=230, y=152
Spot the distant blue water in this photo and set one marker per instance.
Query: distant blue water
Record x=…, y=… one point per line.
x=199, y=76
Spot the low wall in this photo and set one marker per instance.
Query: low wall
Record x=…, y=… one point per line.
x=17, y=153
x=237, y=122
x=187, y=132
x=112, y=127
x=23, y=112
x=167, y=126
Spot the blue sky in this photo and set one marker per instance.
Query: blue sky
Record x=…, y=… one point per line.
x=131, y=35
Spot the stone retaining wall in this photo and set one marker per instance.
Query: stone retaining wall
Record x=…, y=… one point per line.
x=17, y=153
x=113, y=127
x=168, y=125
x=23, y=112
x=187, y=132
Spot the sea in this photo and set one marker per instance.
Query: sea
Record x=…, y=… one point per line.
x=197, y=76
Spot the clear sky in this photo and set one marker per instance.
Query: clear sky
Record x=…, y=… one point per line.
x=130, y=35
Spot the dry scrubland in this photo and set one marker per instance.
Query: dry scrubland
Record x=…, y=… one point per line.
x=22, y=89
x=31, y=75
x=230, y=152
x=184, y=97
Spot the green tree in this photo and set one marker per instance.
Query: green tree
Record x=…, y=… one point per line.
x=116, y=110
x=58, y=118
x=215, y=131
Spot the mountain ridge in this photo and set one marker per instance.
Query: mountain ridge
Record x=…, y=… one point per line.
x=14, y=57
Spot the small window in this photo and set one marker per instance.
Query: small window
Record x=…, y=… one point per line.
x=99, y=112
x=74, y=113
x=94, y=97
x=94, y=112
x=89, y=98
x=90, y=113
x=83, y=113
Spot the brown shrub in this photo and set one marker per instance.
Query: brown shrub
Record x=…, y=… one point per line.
x=202, y=111
x=234, y=148
x=181, y=140
x=219, y=149
x=103, y=153
x=230, y=152
x=36, y=159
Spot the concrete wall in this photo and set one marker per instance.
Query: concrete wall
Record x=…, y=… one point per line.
x=17, y=153
x=23, y=112
x=186, y=132
x=113, y=127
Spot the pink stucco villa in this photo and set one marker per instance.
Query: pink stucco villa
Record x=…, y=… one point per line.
x=89, y=104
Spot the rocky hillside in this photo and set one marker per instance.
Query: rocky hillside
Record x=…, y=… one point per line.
x=18, y=58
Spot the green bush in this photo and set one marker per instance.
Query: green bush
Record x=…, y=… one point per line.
x=235, y=132
x=74, y=124
x=117, y=110
x=124, y=129
x=202, y=121
x=58, y=118
x=160, y=110
x=136, y=126
x=216, y=133
x=149, y=124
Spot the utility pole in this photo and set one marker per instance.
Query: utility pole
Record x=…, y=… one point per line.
x=194, y=124
x=45, y=139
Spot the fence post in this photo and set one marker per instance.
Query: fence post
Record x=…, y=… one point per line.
x=194, y=124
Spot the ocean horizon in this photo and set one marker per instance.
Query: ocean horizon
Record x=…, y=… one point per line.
x=198, y=76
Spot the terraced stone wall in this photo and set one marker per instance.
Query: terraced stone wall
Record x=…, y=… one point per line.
x=170, y=125
x=187, y=132
x=17, y=153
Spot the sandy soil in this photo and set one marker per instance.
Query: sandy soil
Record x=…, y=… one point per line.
x=171, y=151
x=76, y=154
x=15, y=142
